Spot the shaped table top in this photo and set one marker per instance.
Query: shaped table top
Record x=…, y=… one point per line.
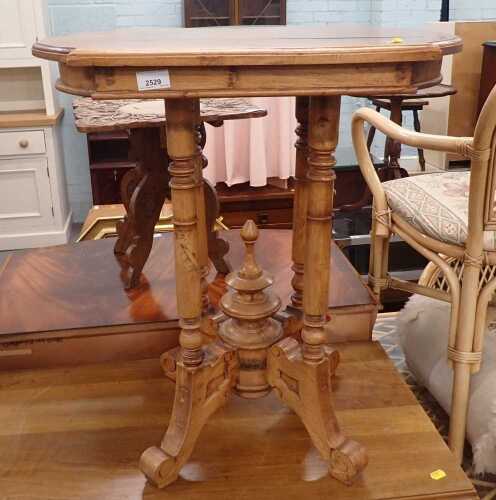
x=122, y=114
x=243, y=61
x=254, y=45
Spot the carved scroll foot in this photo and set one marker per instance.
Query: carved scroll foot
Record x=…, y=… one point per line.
x=305, y=387
x=200, y=391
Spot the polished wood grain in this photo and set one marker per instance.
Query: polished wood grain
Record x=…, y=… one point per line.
x=250, y=60
x=63, y=284
x=255, y=45
x=78, y=433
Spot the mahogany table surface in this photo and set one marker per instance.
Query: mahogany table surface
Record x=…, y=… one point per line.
x=78, y=433
x=79, y=286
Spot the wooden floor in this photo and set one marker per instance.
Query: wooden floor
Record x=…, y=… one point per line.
x=77, y=433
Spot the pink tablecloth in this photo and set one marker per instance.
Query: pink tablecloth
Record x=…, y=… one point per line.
x=255, y=149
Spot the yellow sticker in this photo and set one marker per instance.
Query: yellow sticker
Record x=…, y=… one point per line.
x=438, y=474
x=397, y=39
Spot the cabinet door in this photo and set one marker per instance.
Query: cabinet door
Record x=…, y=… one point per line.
x=17, y=29
x=25, y=195
x=208, y=13
x=262, y=12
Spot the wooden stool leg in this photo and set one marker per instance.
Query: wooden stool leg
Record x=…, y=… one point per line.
x=392, y=151
x=416, y=126
x=204, y=377
x=372, y=130
x=300, y=202
x=301, y=373
x=143, y=192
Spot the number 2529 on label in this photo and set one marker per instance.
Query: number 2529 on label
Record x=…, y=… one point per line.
x=153, y=80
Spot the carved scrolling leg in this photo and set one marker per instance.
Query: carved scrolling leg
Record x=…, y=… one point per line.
x=200, y=391
x=306, y=389
x=143, y=192
x=203, y=379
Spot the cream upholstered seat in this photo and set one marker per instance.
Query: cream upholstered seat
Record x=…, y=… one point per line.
x=450, y=218
x=436, y=205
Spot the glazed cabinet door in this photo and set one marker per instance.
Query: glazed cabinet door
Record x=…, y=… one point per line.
x=199, y=13
x=25, y=195
x=262, y=12
x=17, y=31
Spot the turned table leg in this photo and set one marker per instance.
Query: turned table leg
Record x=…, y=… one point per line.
x=301, y=374
x=300, y=202
x=346, y=457
x=204, y=377
x=322, y=141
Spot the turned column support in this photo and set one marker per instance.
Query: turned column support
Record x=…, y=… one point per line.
x=300, y=202
x=183, y=117
x=322, y=142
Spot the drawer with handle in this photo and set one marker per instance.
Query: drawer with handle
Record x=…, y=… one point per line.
x=27, y=142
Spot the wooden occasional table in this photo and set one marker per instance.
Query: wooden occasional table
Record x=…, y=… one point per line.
x=251, y=356
x=144, y=189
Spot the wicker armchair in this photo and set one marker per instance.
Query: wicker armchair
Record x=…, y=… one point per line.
x=450, y=218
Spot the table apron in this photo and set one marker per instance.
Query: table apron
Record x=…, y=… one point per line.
x=345, y=79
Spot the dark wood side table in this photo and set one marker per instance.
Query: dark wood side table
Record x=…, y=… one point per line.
x=144, y=188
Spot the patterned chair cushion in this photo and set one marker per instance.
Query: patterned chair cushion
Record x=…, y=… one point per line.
x=436, y=205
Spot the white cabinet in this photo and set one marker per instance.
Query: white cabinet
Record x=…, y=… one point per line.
x=34, y=209
x=17, y=29
x=25, y=194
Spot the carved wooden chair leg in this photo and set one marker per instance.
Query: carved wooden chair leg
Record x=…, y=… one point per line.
x=124, y=228
x=200, y=391
x=306, y=389
x=143, y=192
x=218, y=248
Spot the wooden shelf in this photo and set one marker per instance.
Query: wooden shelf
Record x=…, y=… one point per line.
x=35, y=118
x=110, y=165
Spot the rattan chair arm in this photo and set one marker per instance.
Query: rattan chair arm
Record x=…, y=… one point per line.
x=370, y=175
x=448, y=144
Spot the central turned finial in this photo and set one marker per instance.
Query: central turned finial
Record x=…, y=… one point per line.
x=249, y=305
x=250, y=268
